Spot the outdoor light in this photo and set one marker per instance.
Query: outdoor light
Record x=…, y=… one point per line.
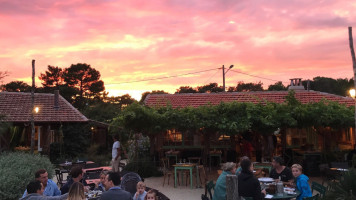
x=37, y=109
x=352, y=93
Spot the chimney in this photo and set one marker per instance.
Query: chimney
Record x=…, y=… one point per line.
x=296, y=84
x=56, y=100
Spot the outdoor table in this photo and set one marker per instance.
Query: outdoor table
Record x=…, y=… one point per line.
x=185, y=166
x=107, y=168
x=284, y=196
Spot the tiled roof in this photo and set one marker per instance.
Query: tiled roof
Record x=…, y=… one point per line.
x=16, y=106
x=200, y=99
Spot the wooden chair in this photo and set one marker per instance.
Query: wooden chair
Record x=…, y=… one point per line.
x=167, y=172
x=319, y=188
x=315, y=197
x=59, y=176
x=209, y=186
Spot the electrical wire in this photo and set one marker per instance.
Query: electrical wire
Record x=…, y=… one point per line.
x=255, y=76
x=165, y=77
x=212, y=76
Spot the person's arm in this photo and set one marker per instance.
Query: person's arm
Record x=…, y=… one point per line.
x=258, y=193
x=24, y=194
x=56, y=191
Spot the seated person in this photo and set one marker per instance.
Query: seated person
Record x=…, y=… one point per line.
x=77, y=176
x=113, y=189
x=35, y=192
x=220, y=186
x=141, y=193
x=280, y=171
x=76, y=192
x=238, y=171
x=100, y=185
x=50, y=187
x=249, y=186
x=302, y=182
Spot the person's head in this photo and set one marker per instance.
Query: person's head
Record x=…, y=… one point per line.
x=103, y=175
x=277, y=161
x=243, y=158
x=112, y=179
x=151, y=195
x=246, y=165
x=35, y=187
x=42, y=176
x=141, y=187
x=77, y=172
x=115, y=137
x=76, y=191
x=229, y=167
x=297, y=170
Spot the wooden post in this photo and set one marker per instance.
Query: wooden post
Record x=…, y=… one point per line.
x=354, y=68
x=232, y=192
x=33, y=108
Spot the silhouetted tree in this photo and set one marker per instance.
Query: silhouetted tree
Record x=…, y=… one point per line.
x=16, y=86
x=210, y=88
x=247, y=87
x=278, y=86
x=52, y=78
x=334, y=86
x=186, y=89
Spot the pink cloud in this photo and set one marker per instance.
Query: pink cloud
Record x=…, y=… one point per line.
x=133, y=40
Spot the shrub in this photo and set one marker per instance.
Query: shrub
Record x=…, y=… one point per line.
x=17, y=169
x=345, y=188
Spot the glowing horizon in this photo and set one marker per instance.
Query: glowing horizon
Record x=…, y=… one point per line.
x=132, y=40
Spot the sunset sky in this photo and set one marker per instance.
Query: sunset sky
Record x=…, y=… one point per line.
x=128, y=40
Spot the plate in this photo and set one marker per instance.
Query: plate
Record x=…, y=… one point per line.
x=266, y=179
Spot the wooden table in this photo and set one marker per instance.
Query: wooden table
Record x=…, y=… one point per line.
x=185, y=166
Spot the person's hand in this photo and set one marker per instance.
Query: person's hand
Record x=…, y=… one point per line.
x=136, y=195
x=86, y=188
x=264, y=192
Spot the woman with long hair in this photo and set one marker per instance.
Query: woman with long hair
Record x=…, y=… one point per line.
x=76, y=192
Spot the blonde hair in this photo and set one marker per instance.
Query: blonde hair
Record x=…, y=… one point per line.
x=140, y=184
x=298, y=166
x=76, y=192
x=228, y=166
x=151, y=192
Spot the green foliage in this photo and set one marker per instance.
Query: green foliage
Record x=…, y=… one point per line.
x=344, y=189
x=246, y=87
x=17, y=170
x=99, y=155
x=278, y=86
x=76, y=139
x=334, y=86
x=144, y=167
x=102, y=111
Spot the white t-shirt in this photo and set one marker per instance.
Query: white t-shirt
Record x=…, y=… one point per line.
x=115, y=146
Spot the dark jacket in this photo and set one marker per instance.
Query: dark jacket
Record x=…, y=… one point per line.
x=114, y=194
x=249, y=186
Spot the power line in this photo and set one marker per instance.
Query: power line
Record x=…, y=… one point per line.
x=255, y=76
x=165, y=77
x=212, y=76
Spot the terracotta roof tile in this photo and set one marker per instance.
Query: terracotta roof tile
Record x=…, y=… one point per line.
x=16, y=106
x=200, y=99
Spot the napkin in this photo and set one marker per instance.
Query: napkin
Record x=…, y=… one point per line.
x=268, y=196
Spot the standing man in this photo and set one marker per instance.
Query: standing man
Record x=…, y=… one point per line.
x=50, y=187
x=116, y=152
x=113, y=190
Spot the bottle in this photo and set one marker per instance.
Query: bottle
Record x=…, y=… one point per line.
x=280, y=188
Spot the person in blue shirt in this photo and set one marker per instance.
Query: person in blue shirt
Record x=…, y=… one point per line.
x=101, y=186
x=220, y=186
x=301, y=182
x=50, y=186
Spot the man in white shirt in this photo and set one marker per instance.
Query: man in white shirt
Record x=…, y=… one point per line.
x=116, y=152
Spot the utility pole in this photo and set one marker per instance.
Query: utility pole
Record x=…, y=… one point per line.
x=354, y=68
x=33, y=108
x=223, y=70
